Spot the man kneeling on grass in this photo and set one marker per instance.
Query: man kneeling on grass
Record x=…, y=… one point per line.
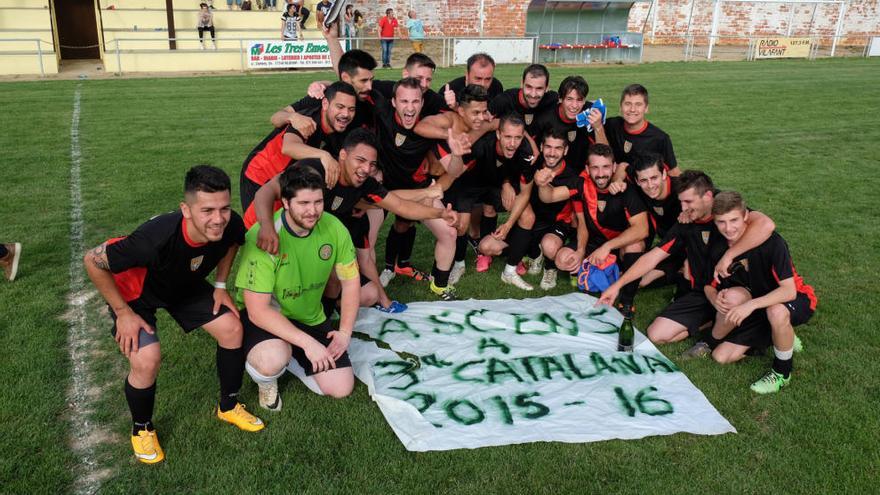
x=283, y=316
x=163, y=264
x=760, y=302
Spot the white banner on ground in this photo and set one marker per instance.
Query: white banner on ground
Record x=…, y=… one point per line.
x=503, y=50
x=514, y=371
x=275, y=54
x=874, y=49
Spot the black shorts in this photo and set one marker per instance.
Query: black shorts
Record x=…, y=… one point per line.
x=253, y=335
x=690, y=310
x=755, y=330
x=190, y=313
x=465, y=197
x=359, y=229
x=247, y=189
x=561, y=230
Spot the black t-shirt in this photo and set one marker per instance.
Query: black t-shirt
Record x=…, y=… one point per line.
x=512, y=101
x=341, y=199
x=607, y=214
x=402, y=152
x=579, y=139
x=664, y=212
x=628, y=144
x=458, y=84
x=471, y=177
x=494, y=168
x=433, y=102
x=702, y=244
x=767, y=265
x=324, y=137
x=159, y=264
x=546, y=214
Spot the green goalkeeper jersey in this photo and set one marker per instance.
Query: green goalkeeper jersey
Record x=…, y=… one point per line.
x=297, y=275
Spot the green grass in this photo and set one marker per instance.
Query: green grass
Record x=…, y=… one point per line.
x=797, y=138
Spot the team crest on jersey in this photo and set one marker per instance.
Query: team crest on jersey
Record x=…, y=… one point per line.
x=529, y=117
x=658, y=210
x=399, y=139
x=572, y=135
x=196, y=262
x=627, y=146
x=745, y=264
x=337, y=202
x=325, y=252
x=498, y=163
x=705, y=237
x=601, y=205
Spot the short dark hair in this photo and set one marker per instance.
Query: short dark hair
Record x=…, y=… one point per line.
x=206, y=178
x=727, y=201
x=555, y=132
x=360, y=136
x=353, y=60
x=343, y=87
x=633, y=90
x=203, y=4
x=576, y=83
x=420, y=59
x=537, y=70
x=481, y=58
x=388, y=11
x=406, y=82
x=696, y=179
x=646, y=160
x=601, y=149
x=472, y=93
x=511, y=118
x=297, y=177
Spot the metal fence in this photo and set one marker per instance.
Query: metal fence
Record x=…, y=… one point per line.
x=14, y=46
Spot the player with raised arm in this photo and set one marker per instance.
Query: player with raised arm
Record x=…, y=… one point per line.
x=163, y=264
x=480, y=70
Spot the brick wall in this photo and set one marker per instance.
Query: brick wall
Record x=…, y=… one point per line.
x=508, y=17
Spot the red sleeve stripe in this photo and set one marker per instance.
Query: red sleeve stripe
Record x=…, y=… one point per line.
x=666, y=247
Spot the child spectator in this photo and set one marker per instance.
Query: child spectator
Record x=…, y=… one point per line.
x=206, y=23
x=291, y=28
x=416, y=31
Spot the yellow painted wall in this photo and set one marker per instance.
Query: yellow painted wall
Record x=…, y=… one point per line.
x=27, y=64
x=30, y=4
x=23, y=18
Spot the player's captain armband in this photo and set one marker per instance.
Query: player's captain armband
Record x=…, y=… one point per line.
x=347, y=271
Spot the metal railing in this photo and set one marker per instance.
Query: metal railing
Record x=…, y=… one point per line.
x=587, y=47
x=38, y=43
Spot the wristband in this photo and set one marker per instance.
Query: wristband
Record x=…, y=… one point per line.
x=219, y=285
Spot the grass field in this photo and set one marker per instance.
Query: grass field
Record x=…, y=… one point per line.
x=798, y=138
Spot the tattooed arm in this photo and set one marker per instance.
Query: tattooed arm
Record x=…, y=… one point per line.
x=128, y=323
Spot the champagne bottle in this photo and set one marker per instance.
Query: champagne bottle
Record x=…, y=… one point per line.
x=626, y=335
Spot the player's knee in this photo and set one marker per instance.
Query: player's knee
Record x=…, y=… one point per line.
x=724, y=356
x=489, y=247
x=267, y=363
x=657, y=334
x=636, y=247
x=145, y=363
x=339, y=389
x=549, y=247
x=526, y=219
x=369, y=295
x=737, y=295
x=778, y=315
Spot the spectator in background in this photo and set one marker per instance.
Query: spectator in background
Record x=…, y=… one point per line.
x=359, y=23
x=323, y=8
x=291, y=23
x=229, y=4
x=247, y=5
x=206, y=23
x=415, y=29
x=387, y=25
x=348, y=27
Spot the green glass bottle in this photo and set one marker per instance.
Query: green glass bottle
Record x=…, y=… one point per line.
x=625, y=335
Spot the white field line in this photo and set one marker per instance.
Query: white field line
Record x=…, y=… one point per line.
x=86, y=479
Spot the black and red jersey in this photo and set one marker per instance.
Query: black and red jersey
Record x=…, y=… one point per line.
x=432, y=102
x=512, y=101
x=493, y=168
x=266, y=160
x=702, y=244
x=649, y=138
x=159, y=264
x=607, y=214
x=767, y=265
x=663, y=212
x=579, y=139
x=473, y=175
x=403, y=154
x=560, y=211
x=340, y=200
